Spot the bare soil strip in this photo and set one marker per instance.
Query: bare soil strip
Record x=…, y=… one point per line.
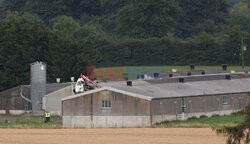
x=111, y=136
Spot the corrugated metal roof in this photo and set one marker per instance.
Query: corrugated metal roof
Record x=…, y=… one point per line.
x=55, y=87
x=110, y=89
x=165, y=90
x=52, y=87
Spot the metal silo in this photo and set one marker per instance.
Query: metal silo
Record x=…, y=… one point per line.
x=38, y=84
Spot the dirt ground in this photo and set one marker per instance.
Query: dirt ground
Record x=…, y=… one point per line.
x=111, y=136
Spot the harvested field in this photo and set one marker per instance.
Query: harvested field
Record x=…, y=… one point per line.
x=111, y=136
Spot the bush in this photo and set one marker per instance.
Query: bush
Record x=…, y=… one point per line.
x=161, y=123
x=193, y=117
x=203, y=116
x=215, y=115
x=240, y=133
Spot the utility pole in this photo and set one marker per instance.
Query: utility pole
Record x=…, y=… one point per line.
x=242, y=53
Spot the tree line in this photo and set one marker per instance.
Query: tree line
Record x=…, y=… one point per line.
x=69, y=35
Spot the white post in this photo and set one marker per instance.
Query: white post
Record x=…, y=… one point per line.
x=183, y=116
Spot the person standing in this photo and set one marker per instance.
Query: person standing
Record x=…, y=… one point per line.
x=47, y=117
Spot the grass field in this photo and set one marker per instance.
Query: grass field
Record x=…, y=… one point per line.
x=22, y=121
x=205, y=122
x=151, y=69
x=36, y=122
x=169, y=68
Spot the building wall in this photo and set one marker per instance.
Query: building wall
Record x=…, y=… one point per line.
x=87, y=111
x=127, y=111
x=52, y=102
x=14, y=98
x=11, y=99
x=170, y=108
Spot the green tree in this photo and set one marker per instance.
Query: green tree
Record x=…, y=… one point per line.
x=21, y=43
x=201, y=16
x=67, y=26
x=240, y=16
x=108, y=6
x=147, y=18
x=8, y=7
x=46, y=10
x=238, y=134
x=70, y=54
x=77, y=8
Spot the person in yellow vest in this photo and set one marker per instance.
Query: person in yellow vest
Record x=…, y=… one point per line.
x=47, y=117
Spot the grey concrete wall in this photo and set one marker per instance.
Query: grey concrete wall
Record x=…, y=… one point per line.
x=106, y=121
x=52, y=102
x=10, y=99
x=162, y=118
x=86, y=111
x=13, y=112
x=170, y=108
x=127, y=111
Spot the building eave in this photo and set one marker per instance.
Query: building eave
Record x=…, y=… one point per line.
x=110, y=89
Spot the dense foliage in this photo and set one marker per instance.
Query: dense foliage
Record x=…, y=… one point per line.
x=70, y=34
x=238, y=134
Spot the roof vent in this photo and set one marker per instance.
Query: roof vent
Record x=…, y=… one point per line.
x=228, y=77
x=192, y=67
x=156, y=75
x=224, y=67
x=138, y=76
x=129, y=83
x=181, y=80
x=142, y=76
